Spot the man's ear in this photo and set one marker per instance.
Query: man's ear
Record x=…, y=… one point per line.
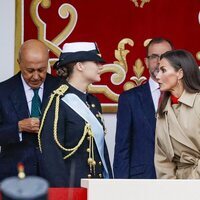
x=146, y=62
x=18, y=61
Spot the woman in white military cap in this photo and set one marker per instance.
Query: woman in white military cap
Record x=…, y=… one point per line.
x=71, y=136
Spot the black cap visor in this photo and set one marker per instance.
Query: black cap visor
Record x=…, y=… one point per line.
x=66, y=58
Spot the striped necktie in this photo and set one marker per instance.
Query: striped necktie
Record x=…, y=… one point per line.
x=36, y=104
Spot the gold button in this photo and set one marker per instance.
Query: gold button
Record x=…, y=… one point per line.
x=88, y=138
x=100, y=163
x=88, y=150
x=94, y=163
x=90, y=161
x=100, y=175
x=89, y=175
x=97, y=115
x=93, y=105
x=90, y=133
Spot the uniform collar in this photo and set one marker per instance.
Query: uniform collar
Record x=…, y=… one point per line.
x=81, y=95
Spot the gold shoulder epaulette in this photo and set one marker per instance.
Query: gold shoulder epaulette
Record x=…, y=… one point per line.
x=56, y=94
x=61, y=90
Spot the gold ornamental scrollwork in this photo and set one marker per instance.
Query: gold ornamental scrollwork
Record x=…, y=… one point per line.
x=118, y=69
x=198, y=55
x=65, y=11
x=121, y=53
x=141, y=5
x=138, y=79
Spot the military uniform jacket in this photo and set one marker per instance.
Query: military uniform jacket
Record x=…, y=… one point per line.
x=70, y=127
x=177, y=149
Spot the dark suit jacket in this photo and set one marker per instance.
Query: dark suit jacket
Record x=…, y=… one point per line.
x=68, y=172
x=13, y=108
x=134, y=148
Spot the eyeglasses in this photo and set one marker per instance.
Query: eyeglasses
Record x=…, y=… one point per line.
x=153, y=57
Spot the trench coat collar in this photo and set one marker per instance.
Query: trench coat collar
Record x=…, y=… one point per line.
x=186, y=98
x=176, y=131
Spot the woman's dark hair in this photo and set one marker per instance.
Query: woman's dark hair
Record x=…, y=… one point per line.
x=182, y=59
x=66, y=70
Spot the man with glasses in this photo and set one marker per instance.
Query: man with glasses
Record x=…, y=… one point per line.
x=134, y=147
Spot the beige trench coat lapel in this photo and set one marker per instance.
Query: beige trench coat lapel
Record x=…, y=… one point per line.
x=176, y=131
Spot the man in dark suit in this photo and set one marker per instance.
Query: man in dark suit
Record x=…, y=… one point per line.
x=18, y=129
x=134, y=148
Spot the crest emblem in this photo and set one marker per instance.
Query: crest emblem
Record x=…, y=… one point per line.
x=141, y=5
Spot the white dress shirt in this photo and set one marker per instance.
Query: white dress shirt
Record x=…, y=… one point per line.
x=155, y=92
x=29, y=95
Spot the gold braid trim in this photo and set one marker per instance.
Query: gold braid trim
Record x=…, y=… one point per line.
x=58, y=92
x=91, y=159
x=87, y=130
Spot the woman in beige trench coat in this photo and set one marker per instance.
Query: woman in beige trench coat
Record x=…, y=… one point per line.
x=177, y=148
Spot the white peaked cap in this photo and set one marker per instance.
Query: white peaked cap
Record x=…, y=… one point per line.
x=79, y=52
x=78, y=46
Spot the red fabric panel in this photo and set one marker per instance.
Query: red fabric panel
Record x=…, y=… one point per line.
x=67, y=193
x=108, y=22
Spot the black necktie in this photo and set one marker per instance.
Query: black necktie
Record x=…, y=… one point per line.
x=36, y=104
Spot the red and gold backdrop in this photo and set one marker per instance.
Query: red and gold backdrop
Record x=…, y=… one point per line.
x=120, y=27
